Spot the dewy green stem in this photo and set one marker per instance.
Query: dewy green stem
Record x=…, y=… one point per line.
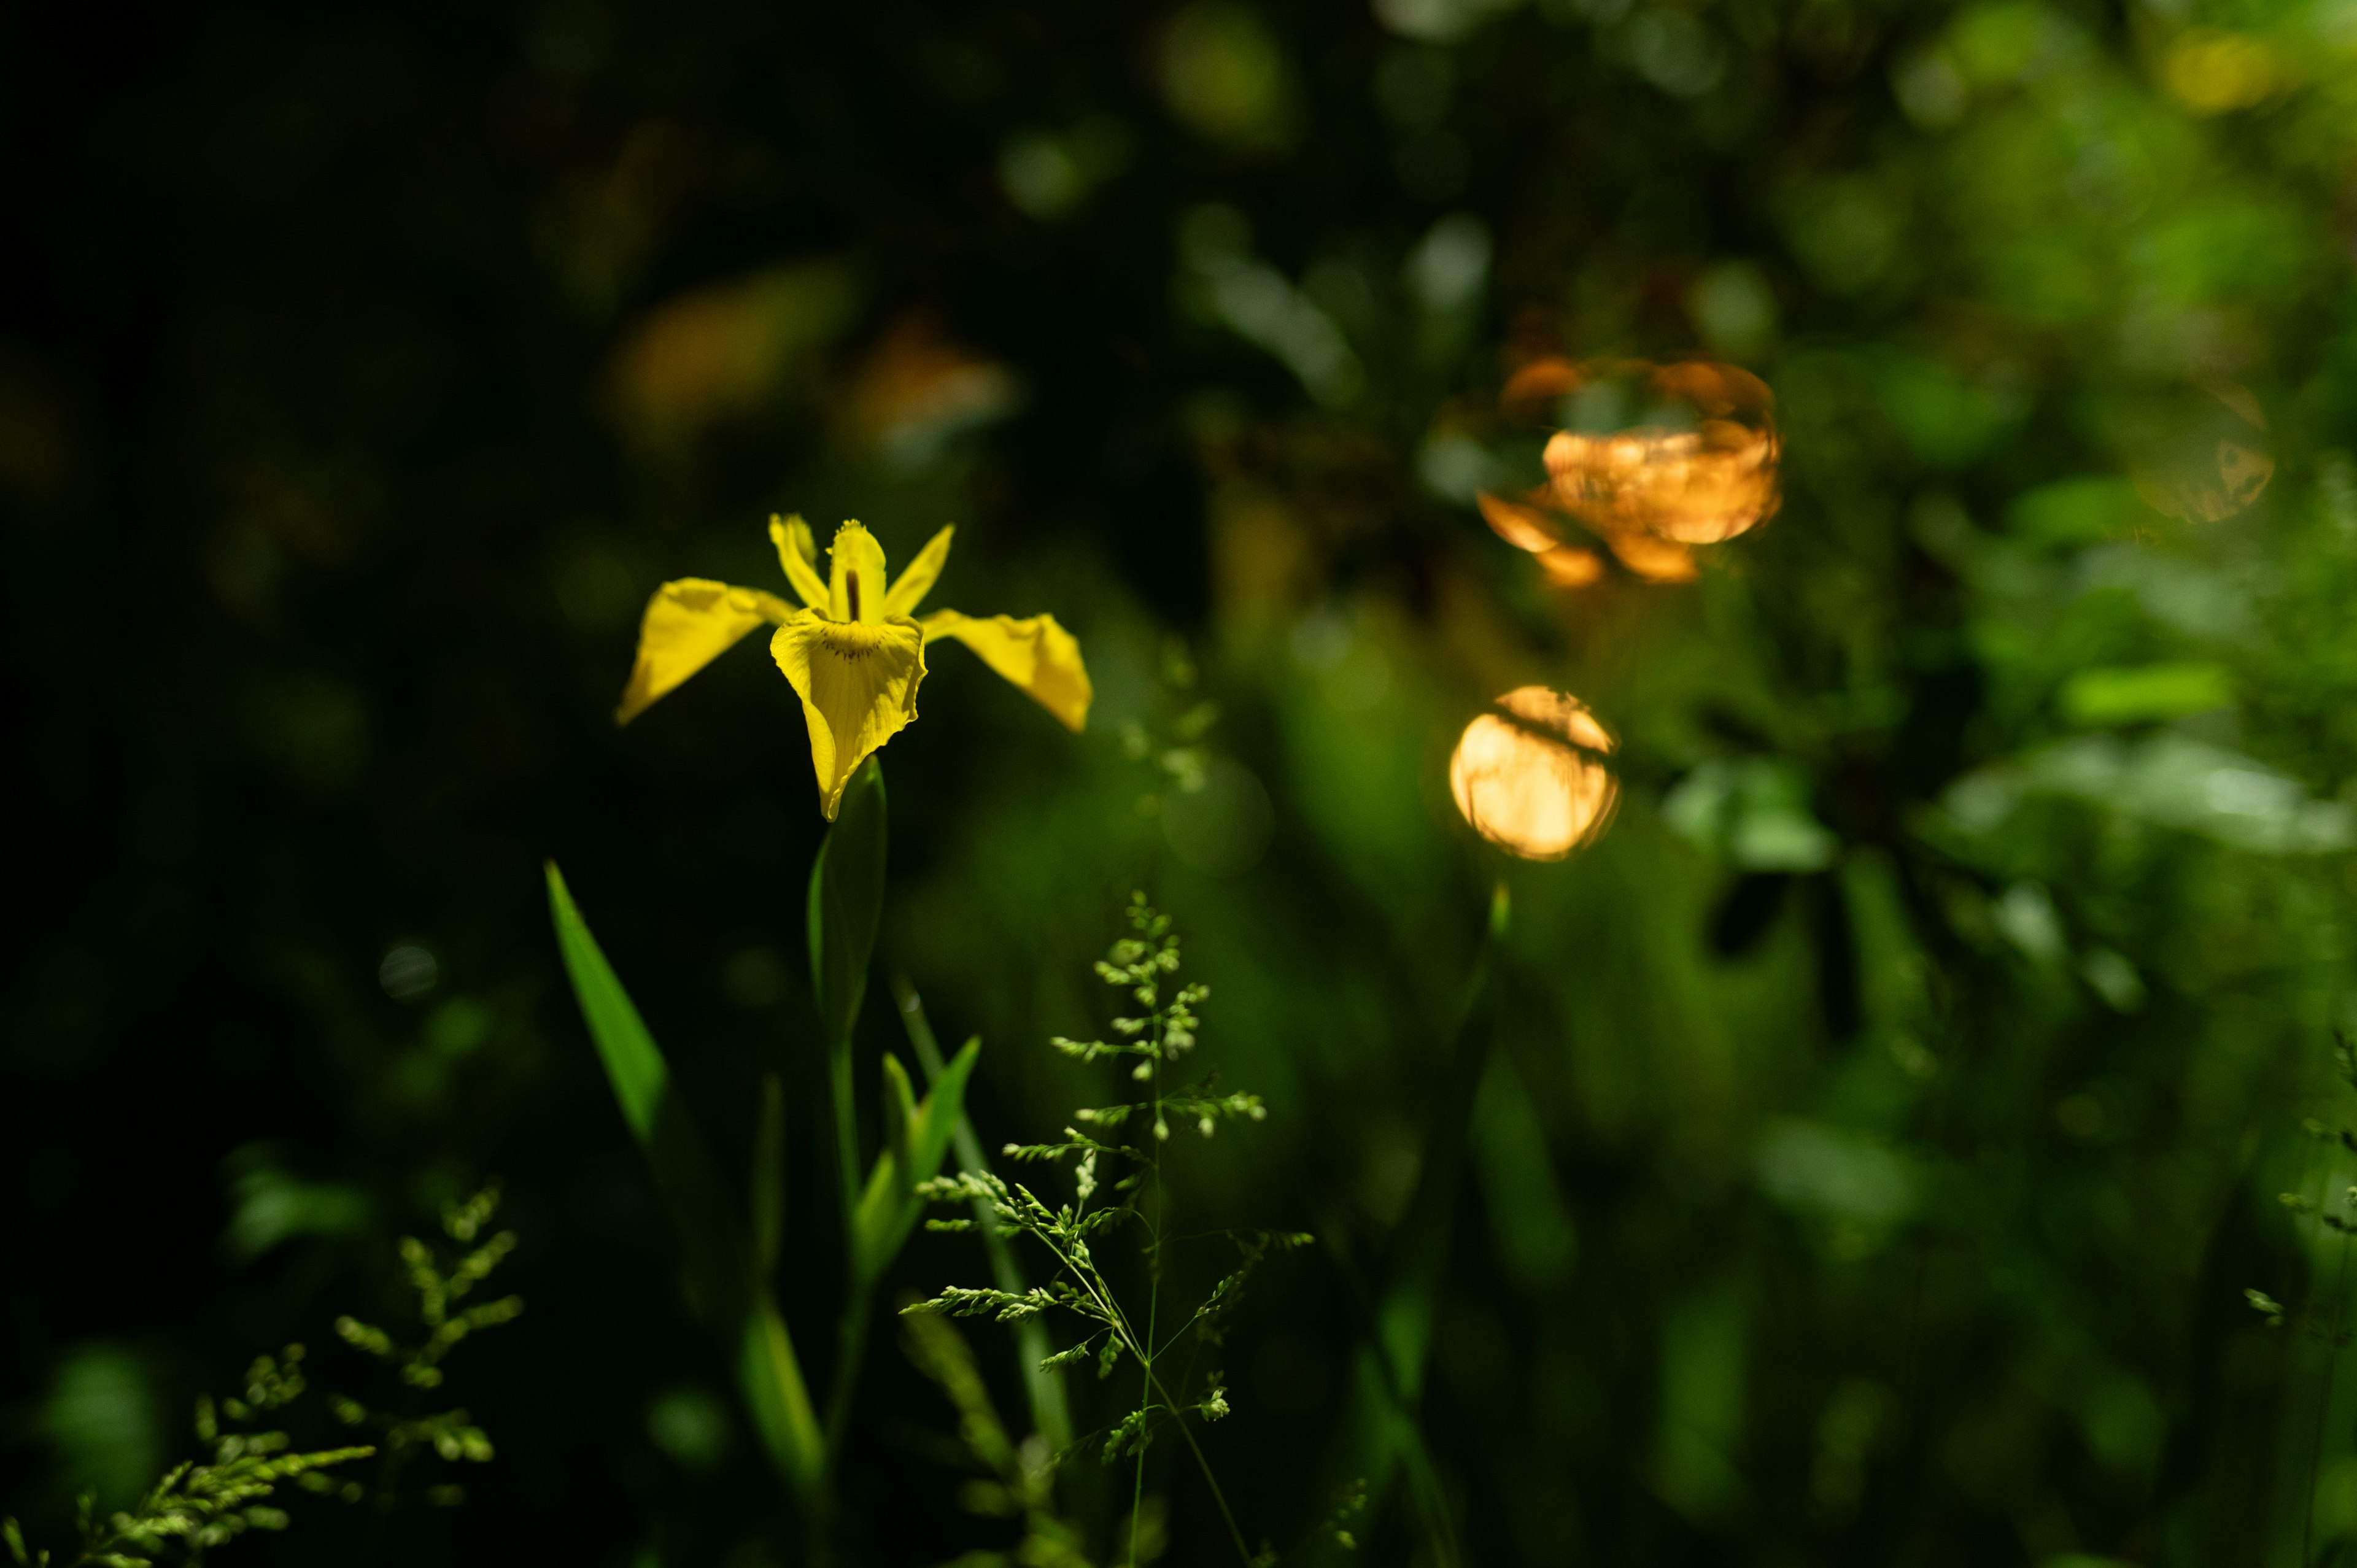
x=1145, y=1353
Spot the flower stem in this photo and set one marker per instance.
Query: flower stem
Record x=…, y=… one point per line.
x=850, y=1331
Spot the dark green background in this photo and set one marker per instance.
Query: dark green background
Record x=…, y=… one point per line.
x=1875, y=1171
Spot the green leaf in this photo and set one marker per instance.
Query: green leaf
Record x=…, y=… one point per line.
x=734, y=1302
x=1049, y=1413
x=2143, y=692
x=900, y=1112
x=889, y=1206
x=2078, y=512
x=937, y=1118
x=846, y=892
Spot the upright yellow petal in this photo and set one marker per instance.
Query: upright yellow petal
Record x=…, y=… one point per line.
x=857, y=589
x=1036, y=654
x=798, y=553
x=688, y=624
x=858, y=685
x=917, y=580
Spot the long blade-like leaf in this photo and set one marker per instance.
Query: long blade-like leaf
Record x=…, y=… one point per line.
x=1050, y=1416
x=889, y=1208
x=734, y=1302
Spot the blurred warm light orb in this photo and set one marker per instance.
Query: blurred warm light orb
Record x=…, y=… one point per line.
x=1649, y=492
x=1693, y=486
x=1530, y=778
x=1696, y=486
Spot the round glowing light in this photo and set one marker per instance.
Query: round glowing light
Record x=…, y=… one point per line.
x=1530, y=777
x=1650, y=492
x=1695, y=486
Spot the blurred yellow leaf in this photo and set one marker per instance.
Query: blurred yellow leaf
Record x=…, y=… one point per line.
x=2213, y=72
x=725, y=346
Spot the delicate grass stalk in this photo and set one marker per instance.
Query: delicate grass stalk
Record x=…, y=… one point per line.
x=1146, y=1384
x=1148, y=1043
x=1203, y=1463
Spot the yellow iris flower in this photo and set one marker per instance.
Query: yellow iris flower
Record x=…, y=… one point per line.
x=854, y=653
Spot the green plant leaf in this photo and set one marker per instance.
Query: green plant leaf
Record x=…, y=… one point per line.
x=2141, y=693
x=733, y=1300
x=889, y=1208
x=938, y=1116
x=1049, y=1414
x=900, y=1112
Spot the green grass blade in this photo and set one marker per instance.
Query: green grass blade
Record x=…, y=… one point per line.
x=889, y=1208
x=735, y=1304
x=1051, y=1416
x=943, y=1109
x=1382, y=1434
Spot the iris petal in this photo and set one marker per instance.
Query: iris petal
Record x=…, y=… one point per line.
x=688, y=624
x=798, y=553
x=917, y=580
x=858, y=685
x=1034, y=654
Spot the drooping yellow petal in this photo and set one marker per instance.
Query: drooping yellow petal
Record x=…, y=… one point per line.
x=688, y=624
x=857, y=590
x=1036, y=654
x=798, y=553
x=917, y=580
x=857, y=680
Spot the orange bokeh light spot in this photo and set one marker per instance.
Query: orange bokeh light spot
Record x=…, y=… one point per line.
x=1650, y=492
x=1691, y=487
x=1531, y=779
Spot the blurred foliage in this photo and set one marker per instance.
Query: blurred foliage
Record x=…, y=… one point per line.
x=1884, y=1119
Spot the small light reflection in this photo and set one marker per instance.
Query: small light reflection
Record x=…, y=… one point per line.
x=408, y=972
x=1531, y=779
x=1700, y=469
